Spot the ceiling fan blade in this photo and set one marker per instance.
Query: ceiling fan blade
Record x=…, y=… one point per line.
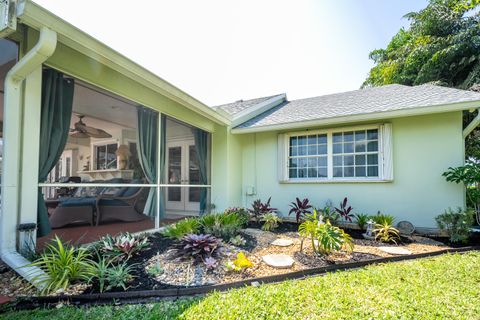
x=81, y=135
x=101, y=134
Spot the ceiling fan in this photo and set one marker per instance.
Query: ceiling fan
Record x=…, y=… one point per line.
x=81, y=130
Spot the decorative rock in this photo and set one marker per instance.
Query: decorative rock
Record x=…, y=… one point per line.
x=282, y=242
x=279, y=261
x=395, y=250
x=255, y=284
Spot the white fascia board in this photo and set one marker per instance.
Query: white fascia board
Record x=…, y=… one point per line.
x=373, y=116
x=35, y=16
x=259, y=108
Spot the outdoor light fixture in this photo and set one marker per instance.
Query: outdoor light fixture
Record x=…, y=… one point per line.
x=370, y=228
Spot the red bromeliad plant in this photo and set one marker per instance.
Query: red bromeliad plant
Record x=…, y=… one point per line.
x=345, y=210
x=259, y=209
x=300, y=208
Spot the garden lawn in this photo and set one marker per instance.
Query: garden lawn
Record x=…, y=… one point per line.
x=443, y=287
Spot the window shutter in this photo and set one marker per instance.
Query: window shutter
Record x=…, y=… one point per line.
x=282, y=158
x=387, y=151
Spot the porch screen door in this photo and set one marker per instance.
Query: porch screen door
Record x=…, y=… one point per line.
x=182, y=168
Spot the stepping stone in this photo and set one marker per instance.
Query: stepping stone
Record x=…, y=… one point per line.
x=282, y=242
x=395, y=250
x=279, y=261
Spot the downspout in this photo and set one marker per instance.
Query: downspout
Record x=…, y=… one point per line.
x=12, y=132
x=471, y=126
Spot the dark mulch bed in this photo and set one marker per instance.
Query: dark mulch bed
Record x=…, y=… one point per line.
x=143, y=280
x=316, y=261
x=474, y=240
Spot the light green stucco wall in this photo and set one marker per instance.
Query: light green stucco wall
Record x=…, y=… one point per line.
x=423, y=148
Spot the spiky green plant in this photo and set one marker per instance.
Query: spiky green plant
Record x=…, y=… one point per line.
x=181, y=228
x=386, y=233
x=64, y=265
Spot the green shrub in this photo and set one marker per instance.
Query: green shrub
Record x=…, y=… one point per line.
x=270, y=221
x=383, y=219
x=325, y=237
x=330, y=214
x=64, y=266
x=100, y=273
x=362, y=220
x=456, y=223
x=386, y=233
x=223, y=225
x=238, y=241
x=181, y=228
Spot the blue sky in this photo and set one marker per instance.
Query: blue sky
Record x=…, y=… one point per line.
x=220, y=51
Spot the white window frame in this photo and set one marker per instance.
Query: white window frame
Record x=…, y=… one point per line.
x=385, y=158
x=96, y=144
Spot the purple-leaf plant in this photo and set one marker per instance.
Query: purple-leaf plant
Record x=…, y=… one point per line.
x=300, y=208
x=345, y=210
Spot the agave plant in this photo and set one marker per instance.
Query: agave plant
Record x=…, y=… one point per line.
x=300, y=208
x=345, y=210
x=259, y=209
x=386, y=233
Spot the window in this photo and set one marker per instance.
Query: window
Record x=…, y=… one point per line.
x=308, y=156
x=357, y=154
x=105, y=157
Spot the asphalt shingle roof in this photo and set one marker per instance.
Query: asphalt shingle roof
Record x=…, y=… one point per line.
x=370, y=100
x=240, y=105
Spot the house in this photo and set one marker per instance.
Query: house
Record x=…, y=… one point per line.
x=81, y=120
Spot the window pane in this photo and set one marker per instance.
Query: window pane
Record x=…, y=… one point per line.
x=337, y=148
x=312, y=139
x=372, y=146
x=322, y=149
x=302, y=140
x=293, y=151
x=348, y=148
x=302, y=173
x=360, y=160
x=348, y=136
x=322, y=161
x=337, y=137
x=302, y=162
x=372, y=159
x=322, y=139
x=293, y=141
x=312, y=150
x=337, y=160
x=372, y=134
x=359, y=146
x=372, y=171
x=302, y=150
x=348, y=171
x=292, y=173
x=322, y=172
x=312, y=162
x=293, y=163
x=337, y=172
x=359, y=135
x=348, y=160
x=312, y=172
x=360, y=171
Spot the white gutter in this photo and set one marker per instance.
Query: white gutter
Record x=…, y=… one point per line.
x=12, y=155
x=472, y=125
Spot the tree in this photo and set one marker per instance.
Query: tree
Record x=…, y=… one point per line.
x=441, y=46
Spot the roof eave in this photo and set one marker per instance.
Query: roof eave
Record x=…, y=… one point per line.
x=35, y=16
x=362, y=117
x=257, y=109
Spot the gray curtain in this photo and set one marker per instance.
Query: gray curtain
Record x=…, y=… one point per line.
x=163, y=146
x=201, y=145
x=57, y=99
x=147, y=137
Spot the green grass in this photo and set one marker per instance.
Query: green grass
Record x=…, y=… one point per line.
x=443, y=287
